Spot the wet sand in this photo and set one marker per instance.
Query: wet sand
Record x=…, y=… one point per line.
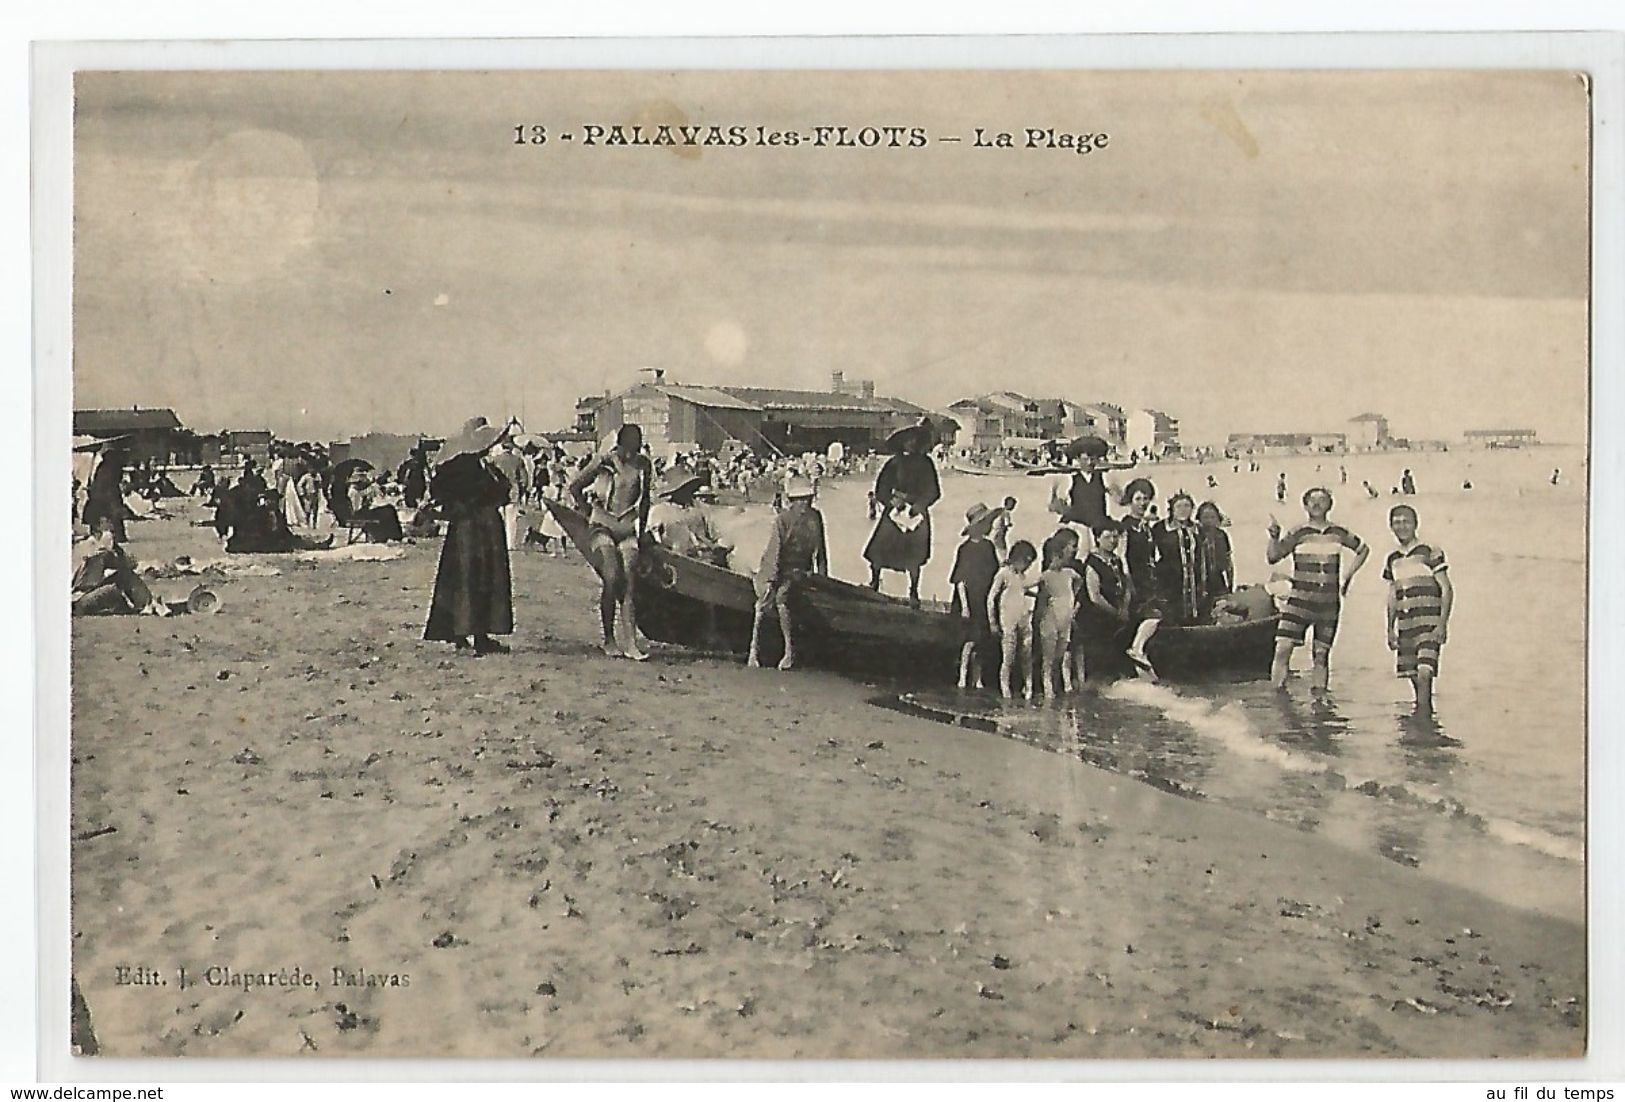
x=567, y=855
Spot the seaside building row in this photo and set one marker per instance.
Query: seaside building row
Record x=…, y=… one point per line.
x=1008, y=419
x=677, y=417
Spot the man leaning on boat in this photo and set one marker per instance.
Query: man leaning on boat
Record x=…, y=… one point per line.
x=795, y=548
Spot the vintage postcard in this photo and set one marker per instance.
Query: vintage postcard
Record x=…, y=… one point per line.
x=829, y=564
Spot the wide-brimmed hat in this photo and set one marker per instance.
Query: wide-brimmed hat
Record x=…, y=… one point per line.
x=898, y=440
x=677, y=484
x=1092, y=447
x=979, y=519
x=797, y=486
x=477, y=435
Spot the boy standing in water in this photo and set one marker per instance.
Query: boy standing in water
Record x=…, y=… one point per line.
x=1316, y=599
x=1010, y=612
x=1419, y=602
x=975, y=566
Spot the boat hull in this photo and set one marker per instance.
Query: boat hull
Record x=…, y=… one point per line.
x=849, y=627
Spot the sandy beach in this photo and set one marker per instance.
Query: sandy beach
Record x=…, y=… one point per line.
x=557, y=854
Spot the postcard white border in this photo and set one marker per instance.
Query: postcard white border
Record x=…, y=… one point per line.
x=1601, y=55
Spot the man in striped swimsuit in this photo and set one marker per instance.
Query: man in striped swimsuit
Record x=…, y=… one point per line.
x=1318, y=586
x=1419, y=601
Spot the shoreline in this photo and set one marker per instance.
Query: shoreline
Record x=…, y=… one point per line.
x=573, y=856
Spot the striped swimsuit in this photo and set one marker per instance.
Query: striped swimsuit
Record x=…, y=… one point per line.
x=1413, y=572
x=1317, y=570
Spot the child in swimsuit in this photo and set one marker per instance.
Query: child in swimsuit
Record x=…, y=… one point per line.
x=1010, y=613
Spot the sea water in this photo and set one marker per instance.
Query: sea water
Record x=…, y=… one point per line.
x=1490, y=793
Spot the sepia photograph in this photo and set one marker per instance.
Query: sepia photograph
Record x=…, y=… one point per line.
x=829, y=564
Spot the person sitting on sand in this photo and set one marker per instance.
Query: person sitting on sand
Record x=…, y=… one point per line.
x=1010, y=613
x=106, y=583
x=378, y=520
x=1420, y=597
x=679, y=522
x=1218, y=567
x=975, y=565
x=1055, y=607
x=1316, y=599
x=795, y=549
x=619, y=520
x=473, y=585
x=251, y=522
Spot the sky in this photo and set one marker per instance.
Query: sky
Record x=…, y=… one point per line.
x=332, y=253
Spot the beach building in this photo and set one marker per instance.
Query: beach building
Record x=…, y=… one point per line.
x=1369, y=432
x=385, y=451
x=796, y=421
x=587, y=407
x=1152, y=431
x=1107, y=421
x=985, y=427
x=155, y=435
x=239, y=444
x=677, y=416
x=1286, y=443
x=1501, y=438
x=1004, y=418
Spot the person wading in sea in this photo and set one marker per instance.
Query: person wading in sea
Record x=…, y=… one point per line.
x=621, y=479
x=1318, y=585
x=906, y=489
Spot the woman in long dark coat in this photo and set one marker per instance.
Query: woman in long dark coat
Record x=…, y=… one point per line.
x=473, y=588
x=906, y=489
x=104, y=497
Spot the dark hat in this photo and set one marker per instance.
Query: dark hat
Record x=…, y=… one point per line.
x=1092, y=446
x=678, y=484
x=900, y=439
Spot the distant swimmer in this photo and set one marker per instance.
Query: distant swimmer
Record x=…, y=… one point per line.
x=1557, y=476
x=1370, y=490
x=1466, y=484
x=1280, y=487
x=1342, y=474
x=1407, y=483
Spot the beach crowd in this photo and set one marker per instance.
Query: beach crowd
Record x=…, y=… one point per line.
x=1114, y=572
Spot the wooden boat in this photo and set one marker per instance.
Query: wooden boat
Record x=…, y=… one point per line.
x=851, y=627
x=959, y=467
